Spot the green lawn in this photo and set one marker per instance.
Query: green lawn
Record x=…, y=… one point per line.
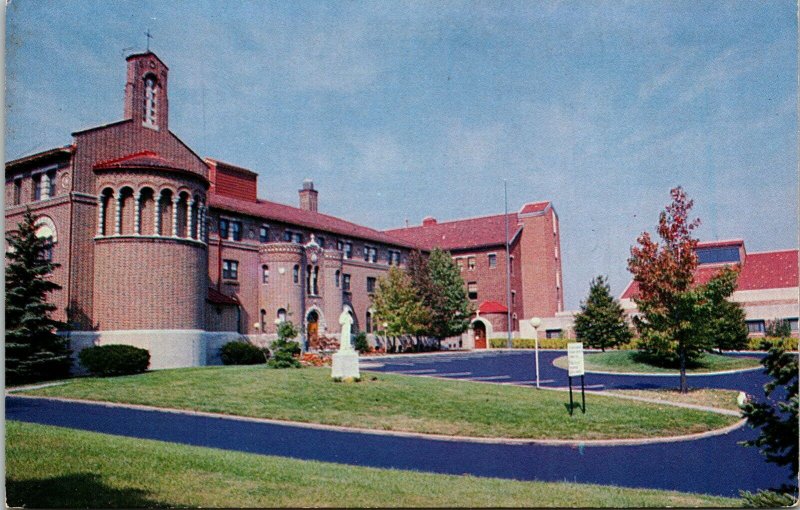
x=51, y=467
x=626, y=361
x=392, y=402
x=722, y=399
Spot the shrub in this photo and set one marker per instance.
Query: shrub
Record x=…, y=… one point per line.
x=765, y=343
x=243, y=353
x=360, y=342
x=111, y=360
x=284, y=354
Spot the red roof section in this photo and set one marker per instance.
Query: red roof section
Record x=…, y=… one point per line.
x=138, y=159
x=765, y=270
x=492, y=307
x=533, y=208
x=461, y=234
x=296, y=216
x=218, y=298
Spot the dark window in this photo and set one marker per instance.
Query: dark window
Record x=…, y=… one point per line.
x=793, y=324
x=292, y=237
x=287, y=237
x=339, y=245
x=296, y=274
x=230, y=269
x=224, y=226
x=17, y=191
x=755, y=326
x=297, y=237
x=371, y=284
x=348, y=250
x=236, y=230
x=47, y=250
x=471, y=263
x=51, y=184
x=338, y=276
x=472, y=290
x=513, y=297
x=370, y=254
x=320, y=241
x=718, y=255
x=393, y=258
x=263, y=234
x=369, y=322
x=264, y=274
x=281, y=314
x=37, y=187
x=552, y=333
x=492, y=260
x=346, y=282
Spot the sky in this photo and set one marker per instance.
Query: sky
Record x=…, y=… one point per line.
x=401, y=110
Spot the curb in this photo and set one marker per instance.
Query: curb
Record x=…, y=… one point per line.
x=416, y=435
x=671, y=374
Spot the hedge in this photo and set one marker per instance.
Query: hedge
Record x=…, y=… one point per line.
x=242, y=353
x=111, y=360
x=753, y=344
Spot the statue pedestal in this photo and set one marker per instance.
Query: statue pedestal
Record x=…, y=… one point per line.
x=345, y=364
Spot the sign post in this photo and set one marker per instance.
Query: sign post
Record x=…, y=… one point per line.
x=575, y=358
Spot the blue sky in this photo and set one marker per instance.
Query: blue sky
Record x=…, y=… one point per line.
x=403, y=110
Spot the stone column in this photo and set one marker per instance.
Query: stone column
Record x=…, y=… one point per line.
x=157, y=215
x=175, y=201
x=118, y=215
x=189, y=219
x=201, y=231
x=137, y=223
x=101, y=215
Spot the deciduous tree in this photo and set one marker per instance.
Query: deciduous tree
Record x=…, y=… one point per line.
x=601, y=321
x=446, y=297
x=397, y=304
x=34, y=351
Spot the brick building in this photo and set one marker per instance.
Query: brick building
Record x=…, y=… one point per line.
x=767, y=287
x=166, y=250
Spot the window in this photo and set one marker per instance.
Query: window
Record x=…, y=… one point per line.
x=371, y=284
x=346, y=282
x=369, y=322
x=292, y=237
x=394, y=257
x=51, y=183
x=37, y=187
x=552, y=333
x=755, y=326
x=511, y=264
x=224, y=226
x=296, y=274
x=263, y=321
x=230, y=269
x=718, y=255
x=264, y=274
x=263, y=234
x=47, y=250
x=513, y=297
x=348, y=250
x=297, y=237
x=370, y=254
x=472, y=290
x=471, y=263
x=366, y=253
x=793, y=324
x=340, y=245
x=492, y=260
x=320, y=241
x=338, y=276
x=281, y=314
x=460, y=264
x=236, y=230
x=17, y=191
x=150, y=101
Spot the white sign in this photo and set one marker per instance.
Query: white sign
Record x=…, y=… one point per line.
x=575, y=357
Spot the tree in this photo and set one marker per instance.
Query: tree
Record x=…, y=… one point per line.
x=397, y=304
x=601, y=321
x=726, y=322
x=779, y=328
x=777, y=418
x=284, y=349
x=34, y=351
x=677, y=322
x=445, y=296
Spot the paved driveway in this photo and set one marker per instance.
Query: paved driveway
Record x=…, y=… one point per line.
x=714, y=465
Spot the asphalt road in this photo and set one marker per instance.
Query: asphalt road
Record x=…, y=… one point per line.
x=714, y=465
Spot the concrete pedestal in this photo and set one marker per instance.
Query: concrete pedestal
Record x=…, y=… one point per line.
x=345, y=364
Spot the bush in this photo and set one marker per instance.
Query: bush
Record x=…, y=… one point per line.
x=360, y=342
x=111, y=360
x=765, y=343
x=284, y=354
x=243, y=353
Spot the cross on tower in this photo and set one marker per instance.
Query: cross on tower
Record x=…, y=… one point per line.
x=148, y=38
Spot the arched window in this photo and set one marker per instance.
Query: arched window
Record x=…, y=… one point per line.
x=147, y=205
x=264, y=274
x=126, y=213
x=263, y=321
x=46, y=229
x=315, y=281
x=368, y=324
x=282, y=314
x=308, y=280
x=296, y=274
x=337, y=278
x=150, y=101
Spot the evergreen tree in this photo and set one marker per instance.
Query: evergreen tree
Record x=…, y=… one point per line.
x=726, y=323
x=601, y=321
x=777, y=419
x=779, y=328
x=34, y=351
x=446, y=297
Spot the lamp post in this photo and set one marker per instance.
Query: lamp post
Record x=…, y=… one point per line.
x=536, y=322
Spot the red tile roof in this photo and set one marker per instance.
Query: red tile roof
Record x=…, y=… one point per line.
x=309, y=219
x=765, y=270
x=461, y=234
x=218, y=298
x=492, y=307
x=535, y=207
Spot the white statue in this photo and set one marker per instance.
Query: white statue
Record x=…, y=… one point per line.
x=345, y=362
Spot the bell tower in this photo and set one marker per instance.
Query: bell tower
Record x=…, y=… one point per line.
x=146, y=91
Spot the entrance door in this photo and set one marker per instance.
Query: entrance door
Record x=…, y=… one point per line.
x=312, y=331
x=480, y=335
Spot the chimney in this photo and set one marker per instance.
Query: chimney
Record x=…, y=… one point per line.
x=308, y=196
x=427, y=221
